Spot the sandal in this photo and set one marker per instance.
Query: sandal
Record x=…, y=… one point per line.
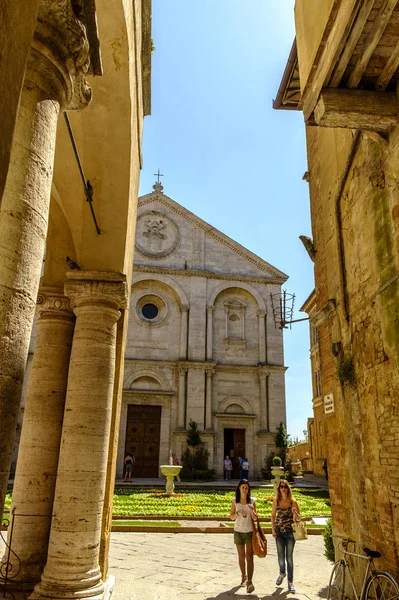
x=250, y=586
x=243, y=580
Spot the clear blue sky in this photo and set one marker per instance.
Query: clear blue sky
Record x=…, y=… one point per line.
x=226, y=155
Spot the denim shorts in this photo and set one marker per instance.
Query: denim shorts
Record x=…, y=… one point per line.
x=242, y=538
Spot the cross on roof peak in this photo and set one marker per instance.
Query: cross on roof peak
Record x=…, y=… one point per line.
x=158, y=187
x=158, y=175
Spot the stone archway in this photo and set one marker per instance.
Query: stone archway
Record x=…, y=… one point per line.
x=235, y=425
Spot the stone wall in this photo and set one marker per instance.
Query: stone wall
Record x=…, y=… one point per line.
x=354, y=209
x=301, y=452
x=343, y=56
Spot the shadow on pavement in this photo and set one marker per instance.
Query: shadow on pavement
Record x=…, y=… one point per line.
x=279, y=593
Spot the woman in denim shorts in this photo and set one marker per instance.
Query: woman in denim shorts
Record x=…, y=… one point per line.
x=243, y=512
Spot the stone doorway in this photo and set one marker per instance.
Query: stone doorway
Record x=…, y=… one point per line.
x=234, y=446
x=143, y=431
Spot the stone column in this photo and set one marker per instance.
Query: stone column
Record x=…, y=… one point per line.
x=54, y=79
x=183, y=332
x=263, y=400
x=122, y=326
x=209, y=332
x=262, y=338
x=33, y=492
x=208, y=398
x=182, y=398
x=72, y=568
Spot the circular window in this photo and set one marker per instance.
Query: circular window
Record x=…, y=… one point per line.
x=150, y=311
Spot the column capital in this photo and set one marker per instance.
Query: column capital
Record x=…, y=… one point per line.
x=98, y=287
x=51, y=301
x=210, y=369
x=184, y=308
x=263, y=370
x=59, y=57
x=261, y=314
x=210, y=309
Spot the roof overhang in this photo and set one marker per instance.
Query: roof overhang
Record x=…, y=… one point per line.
x=289, y=92
x=355, y=71
x=310, y=303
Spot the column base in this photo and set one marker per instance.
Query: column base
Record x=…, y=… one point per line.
x=94, y=594
x=109, y=584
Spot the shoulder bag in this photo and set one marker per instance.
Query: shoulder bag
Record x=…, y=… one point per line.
x=299, y=529
x=259, y=542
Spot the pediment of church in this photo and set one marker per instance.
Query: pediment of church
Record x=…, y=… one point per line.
x=170, y=236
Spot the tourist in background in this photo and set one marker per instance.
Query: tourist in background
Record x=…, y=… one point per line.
x=245, y=468
x=240, y=461
x=284, y=511
x=228, y=467
x=129, y=462
x=243, y=512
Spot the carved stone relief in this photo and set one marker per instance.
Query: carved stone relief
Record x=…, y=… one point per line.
x=157, y=235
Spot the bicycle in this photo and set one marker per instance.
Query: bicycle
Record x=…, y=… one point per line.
x=377, y=585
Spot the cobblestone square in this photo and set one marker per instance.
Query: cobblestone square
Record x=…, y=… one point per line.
x=195, y=566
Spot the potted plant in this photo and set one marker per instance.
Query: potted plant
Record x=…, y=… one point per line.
x=277, y=471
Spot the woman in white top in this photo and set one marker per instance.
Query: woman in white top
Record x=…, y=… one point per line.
x=243, y=512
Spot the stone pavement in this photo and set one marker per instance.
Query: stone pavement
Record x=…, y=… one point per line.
x=196, y=566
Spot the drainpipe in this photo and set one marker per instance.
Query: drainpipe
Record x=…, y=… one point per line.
x=338, y=215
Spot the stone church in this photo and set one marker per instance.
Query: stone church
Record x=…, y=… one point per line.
x=202, y=344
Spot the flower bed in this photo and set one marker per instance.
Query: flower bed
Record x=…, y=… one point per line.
x=206, y=503
x=209, y=503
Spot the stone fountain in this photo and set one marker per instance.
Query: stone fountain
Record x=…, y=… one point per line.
x=170, y=471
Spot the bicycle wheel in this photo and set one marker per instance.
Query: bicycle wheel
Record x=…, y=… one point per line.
x=336, y=587
x=381, y=586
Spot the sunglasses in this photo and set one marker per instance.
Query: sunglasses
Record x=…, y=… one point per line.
x=284, y=486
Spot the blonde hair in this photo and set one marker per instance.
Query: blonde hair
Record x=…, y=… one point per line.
x=289, y=491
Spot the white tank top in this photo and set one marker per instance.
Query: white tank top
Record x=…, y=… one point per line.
x=243, y=524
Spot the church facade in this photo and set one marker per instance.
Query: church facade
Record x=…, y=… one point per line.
x=202, y=344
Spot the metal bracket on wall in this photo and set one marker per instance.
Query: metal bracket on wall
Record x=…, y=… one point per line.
x=283, y=309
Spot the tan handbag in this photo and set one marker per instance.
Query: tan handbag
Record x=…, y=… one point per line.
x=259, y=542
x=299, y=529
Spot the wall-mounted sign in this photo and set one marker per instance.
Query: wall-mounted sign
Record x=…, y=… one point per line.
x=328, y=404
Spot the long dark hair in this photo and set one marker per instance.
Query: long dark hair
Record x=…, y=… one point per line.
x=238, y=492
